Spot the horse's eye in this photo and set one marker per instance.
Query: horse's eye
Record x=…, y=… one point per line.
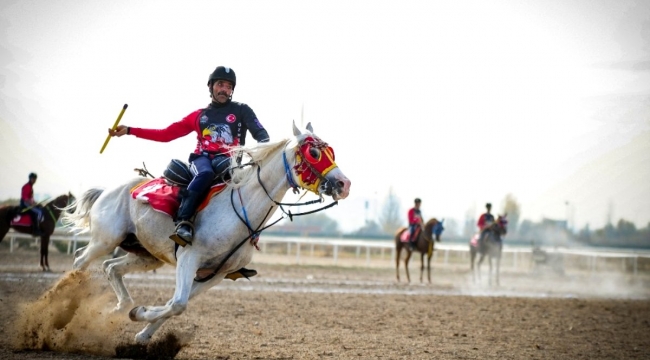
x=315, y=153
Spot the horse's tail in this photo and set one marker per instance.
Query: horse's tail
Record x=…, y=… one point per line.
x=79, y=219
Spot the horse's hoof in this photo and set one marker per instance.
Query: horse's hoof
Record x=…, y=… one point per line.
x=142, y=339
x=133, y=314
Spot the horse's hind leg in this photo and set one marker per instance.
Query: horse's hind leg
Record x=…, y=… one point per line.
x=98, y=246
x=398, y=254
x=116, y=268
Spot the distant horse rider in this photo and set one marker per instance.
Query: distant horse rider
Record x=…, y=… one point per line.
x=415, y=223
x=27, y=204
x=485, y=221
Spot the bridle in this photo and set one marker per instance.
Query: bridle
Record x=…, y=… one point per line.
x=310, y=176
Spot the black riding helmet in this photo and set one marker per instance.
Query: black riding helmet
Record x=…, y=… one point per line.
x=33, y=176
x=222, y=73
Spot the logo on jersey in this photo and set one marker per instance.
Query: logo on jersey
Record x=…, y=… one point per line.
x=218, y=133
x=204, y=119
x=231, y=118
x=259, y=125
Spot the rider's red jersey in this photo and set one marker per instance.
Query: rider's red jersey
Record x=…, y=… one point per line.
x=27, y=193
x=219, y=127
x=484, y=218
x=414, y=215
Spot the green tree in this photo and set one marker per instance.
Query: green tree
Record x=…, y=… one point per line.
x=390, y=218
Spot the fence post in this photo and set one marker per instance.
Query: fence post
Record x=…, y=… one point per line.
x=336, y=253
x=297, y=253
x=368, y=255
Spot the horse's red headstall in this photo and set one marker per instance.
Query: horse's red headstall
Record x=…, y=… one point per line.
x=314, y=159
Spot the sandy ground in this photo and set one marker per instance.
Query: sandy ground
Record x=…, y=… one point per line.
x=294, y=311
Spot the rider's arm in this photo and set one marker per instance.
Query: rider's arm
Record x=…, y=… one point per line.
x=413, y=219
x=172, y=132
x=254, y=125
x=481, y=222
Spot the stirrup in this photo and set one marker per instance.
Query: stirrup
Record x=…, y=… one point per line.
x=241, y=273
x=177, y=238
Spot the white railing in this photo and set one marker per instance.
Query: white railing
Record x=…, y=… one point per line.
x=294, y=245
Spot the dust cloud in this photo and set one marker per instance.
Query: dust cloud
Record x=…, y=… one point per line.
x=73, y=316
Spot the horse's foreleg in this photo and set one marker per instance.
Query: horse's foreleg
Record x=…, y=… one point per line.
x=422, y=268
x=498, y=265
x=45, y=243
x=406, y=265
x=116, y=268
x=429, y=268
x=188, y=264
x=490, y=270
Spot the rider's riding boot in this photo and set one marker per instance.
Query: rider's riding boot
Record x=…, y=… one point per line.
x=184, y=233
x=241, y=273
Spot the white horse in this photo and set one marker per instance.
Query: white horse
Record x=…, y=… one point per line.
x=230, y=219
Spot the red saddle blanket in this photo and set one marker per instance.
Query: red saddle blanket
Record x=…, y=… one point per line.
x=474, y=240
x=22, y=220
x=164, y=197
x=406, y=234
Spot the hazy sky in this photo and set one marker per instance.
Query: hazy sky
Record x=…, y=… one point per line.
x=456, y=102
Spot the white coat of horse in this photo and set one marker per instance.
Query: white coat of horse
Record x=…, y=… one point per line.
x=110, y=216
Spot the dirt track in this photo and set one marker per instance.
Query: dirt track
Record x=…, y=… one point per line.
x=314, y=312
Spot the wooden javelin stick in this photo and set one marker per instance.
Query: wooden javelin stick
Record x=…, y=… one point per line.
x=108, y=137
x=33, y=206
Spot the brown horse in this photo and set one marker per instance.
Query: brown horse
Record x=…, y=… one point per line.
x=424, y=245
x=490, y=245
x=51, y=212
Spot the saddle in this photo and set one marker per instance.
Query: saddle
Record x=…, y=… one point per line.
x=163, y=193
x=406, y=235
x=23, y=218
x=178, y=173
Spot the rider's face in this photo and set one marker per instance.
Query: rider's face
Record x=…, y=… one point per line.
x=222, y=91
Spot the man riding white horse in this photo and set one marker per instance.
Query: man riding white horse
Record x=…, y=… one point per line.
x=219, y=127
x=485, y=221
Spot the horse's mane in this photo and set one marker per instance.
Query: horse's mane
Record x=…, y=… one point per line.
x=257, y=155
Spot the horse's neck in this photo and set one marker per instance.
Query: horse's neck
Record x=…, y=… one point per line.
x=55, y=208
x=428, y=230
x=255, y=199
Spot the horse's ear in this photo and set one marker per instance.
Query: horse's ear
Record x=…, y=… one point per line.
x=296, y=131
x=311, y=130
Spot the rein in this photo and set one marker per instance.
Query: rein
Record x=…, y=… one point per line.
x=255, y=233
